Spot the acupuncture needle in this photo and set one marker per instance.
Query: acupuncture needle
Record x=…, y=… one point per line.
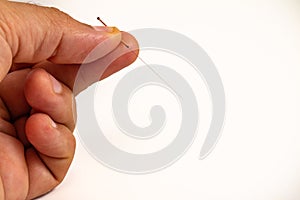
x=143, y=61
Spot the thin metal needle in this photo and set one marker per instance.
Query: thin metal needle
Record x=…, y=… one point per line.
x=155, y=72
x=143, y=61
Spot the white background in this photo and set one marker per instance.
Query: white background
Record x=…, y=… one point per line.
x=255, y=45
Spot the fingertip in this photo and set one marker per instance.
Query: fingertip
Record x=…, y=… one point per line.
x=37, y=122
x=129, y=45
x=48, y=137
x=36, y=87
x=44, y=93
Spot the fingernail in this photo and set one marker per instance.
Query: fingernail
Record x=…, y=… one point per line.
x=106, y=29
x=106, y=43
x=53, y=124
x=57, y=88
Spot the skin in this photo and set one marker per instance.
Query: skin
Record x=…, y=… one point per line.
x=41, y=51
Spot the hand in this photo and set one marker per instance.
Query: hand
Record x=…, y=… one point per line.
x=40, y=53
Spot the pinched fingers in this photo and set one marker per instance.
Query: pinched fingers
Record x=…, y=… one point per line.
x=49, y=130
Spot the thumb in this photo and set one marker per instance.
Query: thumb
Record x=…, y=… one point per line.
x=31, y=33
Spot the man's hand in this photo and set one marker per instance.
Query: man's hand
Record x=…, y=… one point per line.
x=41, y=50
